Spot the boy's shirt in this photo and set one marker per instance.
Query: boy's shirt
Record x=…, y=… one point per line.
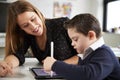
x=92, y=48
x=94, y=65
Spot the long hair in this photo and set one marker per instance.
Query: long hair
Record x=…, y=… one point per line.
x=14, y=36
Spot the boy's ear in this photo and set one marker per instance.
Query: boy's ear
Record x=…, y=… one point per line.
x=91, y=34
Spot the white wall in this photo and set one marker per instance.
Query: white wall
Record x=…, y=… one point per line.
x=94, y=7
x=97, y=9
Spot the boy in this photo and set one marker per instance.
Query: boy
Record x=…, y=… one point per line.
x=98, y=61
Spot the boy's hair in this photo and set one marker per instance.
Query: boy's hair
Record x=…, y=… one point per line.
x=83, y=23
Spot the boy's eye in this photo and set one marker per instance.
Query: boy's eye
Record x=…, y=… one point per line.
x=32, y=20
x=75, y=39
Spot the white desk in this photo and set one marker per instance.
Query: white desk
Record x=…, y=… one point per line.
x=23, y=72
x=116, y=51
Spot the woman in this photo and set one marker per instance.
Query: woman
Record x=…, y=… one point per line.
x=26, y=28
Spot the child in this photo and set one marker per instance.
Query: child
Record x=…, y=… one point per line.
x=98, y=61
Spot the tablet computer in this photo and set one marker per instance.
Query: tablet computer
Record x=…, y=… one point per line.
x=39, y=73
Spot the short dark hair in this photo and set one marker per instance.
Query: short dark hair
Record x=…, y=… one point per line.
x=83, y=23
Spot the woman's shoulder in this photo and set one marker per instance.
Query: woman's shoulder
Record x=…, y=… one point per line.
x=60, y=19
x=56, y=22
x=55, y=26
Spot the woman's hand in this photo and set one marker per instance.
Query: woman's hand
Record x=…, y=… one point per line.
x=48, y=62
x=5, y=69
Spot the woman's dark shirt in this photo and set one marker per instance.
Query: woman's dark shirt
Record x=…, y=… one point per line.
x=56, y=33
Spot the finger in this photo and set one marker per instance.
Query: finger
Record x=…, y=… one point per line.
x=3, y=72
x=10, y=65
x=7, y=69
x=3, y=65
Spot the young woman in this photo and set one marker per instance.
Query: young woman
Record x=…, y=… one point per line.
x=26, y=28
x=98, y=61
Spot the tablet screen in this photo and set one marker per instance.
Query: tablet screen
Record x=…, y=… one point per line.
x=41, y=74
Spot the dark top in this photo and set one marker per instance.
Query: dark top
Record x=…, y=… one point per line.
x=56, y=33
x=101, y=64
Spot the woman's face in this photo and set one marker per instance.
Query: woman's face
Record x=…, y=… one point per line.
x=30, y=23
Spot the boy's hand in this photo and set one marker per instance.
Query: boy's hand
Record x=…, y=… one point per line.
x=48, y=62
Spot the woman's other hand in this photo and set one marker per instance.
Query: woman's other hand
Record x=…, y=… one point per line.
x=5, y=69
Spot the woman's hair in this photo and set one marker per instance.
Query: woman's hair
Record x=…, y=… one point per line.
x=83, y=23
x=14, y=36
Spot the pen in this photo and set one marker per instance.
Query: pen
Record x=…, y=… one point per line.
x=52, y=53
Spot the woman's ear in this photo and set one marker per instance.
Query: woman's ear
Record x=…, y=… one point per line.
x=91, y=35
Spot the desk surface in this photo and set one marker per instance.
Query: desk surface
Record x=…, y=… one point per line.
x=23, y=72
x=116, y=51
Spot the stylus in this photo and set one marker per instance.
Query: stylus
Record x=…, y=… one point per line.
x=52, y=49
x=52, y=55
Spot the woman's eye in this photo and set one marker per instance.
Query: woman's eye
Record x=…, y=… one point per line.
x=25, y=26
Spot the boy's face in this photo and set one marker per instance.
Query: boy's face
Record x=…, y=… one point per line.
x=79, y=41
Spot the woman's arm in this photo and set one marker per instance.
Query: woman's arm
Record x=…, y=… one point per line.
x=72, y=60
x=12, y=61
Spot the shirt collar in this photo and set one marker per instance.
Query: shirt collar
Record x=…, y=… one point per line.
x=97, y=44
x=92, y=47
